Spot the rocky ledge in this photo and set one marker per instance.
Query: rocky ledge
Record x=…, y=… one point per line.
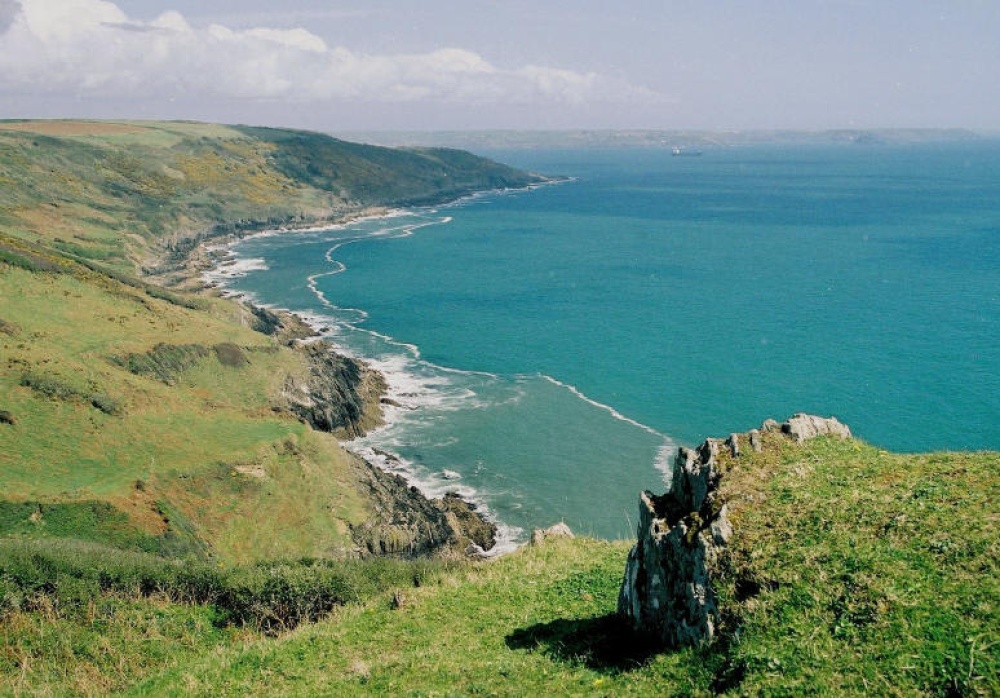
x=405, y=523
x=682, y=535
x=343, y=396
x=339, y=394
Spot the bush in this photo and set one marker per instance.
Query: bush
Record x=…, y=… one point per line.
x=271, y=596
x=49, y=386
x=230, y=354
x=164, y=362
x=54, y=388
x=107, y=404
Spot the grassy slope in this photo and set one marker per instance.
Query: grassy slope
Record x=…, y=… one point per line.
x=855, y=572
x=84, y=208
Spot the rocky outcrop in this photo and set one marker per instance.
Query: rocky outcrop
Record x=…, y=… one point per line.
x=339, y=394
x=559, y=530
x=285, y=326
x=803, y=427
x=405, y=523
x=682, y=535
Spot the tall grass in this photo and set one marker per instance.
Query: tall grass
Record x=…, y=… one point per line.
x=66, y=575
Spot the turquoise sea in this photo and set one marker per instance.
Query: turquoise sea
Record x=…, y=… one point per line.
x=550, y=348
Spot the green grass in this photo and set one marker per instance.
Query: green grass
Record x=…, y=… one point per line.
x=858, y=573
x=107, y=385
x=879, y=573
x=854, y=572
x=86, y=619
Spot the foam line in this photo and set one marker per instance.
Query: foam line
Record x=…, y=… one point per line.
x=414, y=385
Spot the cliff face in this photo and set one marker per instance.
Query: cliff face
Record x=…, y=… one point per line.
x=339, y=395
x=682, y=535
x=342, y=395
x=405, y=523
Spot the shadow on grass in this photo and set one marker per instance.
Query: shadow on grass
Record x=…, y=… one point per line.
x=605, y=643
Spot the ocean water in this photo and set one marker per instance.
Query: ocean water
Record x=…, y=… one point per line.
x=550, y=348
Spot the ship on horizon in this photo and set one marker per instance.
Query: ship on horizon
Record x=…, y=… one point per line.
x=681, y=151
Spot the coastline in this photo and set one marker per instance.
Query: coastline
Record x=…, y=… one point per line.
x=420, y=392
x=188, y=272
x=207, y=269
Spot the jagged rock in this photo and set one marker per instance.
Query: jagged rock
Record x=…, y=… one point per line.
x=339, y=394
x=802, y=427
x=559, y=530
x=666, y=591
x=733, y=442
x=405, y=523
x=682, y=536
x=287, y=327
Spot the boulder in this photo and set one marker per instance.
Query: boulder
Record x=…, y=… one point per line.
x=559, y=530
x=803, y=427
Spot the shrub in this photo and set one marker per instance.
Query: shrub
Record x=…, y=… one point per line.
x=230, y=354
x=49, y=386
x=271, y=596
x=164, y=362
x=52, y=387
x=107, y=404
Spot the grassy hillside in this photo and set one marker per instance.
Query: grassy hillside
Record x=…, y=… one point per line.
x=168, y=407
x=854, y=572
x=130, y=194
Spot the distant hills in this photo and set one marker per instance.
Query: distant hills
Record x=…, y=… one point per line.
x=652, y=138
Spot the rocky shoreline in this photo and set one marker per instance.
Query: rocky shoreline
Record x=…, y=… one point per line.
x=343, y=396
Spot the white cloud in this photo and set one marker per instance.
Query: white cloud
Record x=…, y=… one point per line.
x=92, y=49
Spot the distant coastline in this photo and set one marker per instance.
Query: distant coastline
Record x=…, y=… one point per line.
x=656, y=138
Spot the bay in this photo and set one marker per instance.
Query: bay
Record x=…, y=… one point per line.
x=549, y=348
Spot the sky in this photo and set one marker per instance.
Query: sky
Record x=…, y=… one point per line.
x=507, y=64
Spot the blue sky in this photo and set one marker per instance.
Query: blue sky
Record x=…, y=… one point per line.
x=545, y=64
